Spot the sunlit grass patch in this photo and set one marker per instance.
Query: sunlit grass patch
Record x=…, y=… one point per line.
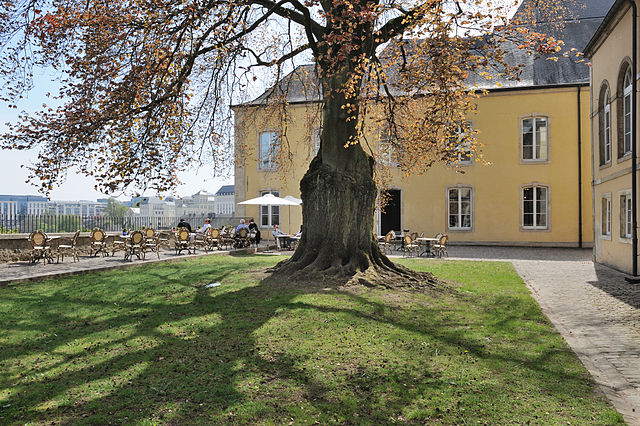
x=154, y=345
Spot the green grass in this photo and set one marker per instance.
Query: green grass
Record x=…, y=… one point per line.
x=153, y=345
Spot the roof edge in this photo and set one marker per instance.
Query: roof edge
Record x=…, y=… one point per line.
x=590, y=48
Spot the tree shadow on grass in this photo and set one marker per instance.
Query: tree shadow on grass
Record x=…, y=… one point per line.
x=208, y=370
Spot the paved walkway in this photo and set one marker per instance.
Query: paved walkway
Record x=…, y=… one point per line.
x=26, y=271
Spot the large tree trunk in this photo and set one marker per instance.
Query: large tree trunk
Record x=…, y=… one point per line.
x=338, y=204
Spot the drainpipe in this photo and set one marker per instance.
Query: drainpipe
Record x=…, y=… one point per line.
x=579, y=171
x=634, y=124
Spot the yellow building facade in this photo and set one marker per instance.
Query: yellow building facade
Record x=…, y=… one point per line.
x=515, y=199
x=610, y=51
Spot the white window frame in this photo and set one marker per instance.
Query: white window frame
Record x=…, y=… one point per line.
x=270, y=163
x=460, y=149
x=270, y=210
x=626, y=130
x=459, y=213
x=387, y=150
x=535, y=226
x=605, y=216
x=607, y=129
x=315, y=141
x=626, y=212
x=543, y=157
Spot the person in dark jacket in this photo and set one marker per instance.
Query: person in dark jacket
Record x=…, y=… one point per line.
x=253, y=228
x=184, y=224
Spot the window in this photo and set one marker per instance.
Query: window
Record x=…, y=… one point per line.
x=315, y=140
x=389, y=150
x=269, y=145
x=606, y=215
x=534, y=207
x=605, y=125
x=626, y=107
x=461, y=149
x=269, y=215
x=460, y=208
x=626, y=209
x=535, y=138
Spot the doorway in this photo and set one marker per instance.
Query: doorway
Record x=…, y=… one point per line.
x=390, y=217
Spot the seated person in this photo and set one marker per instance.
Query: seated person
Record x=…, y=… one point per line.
x=184, y=224
x=206, y=227
x=280, y=236
x=242, y=225
x=253, y=228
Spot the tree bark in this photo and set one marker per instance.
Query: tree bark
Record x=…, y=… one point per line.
x=338, y=203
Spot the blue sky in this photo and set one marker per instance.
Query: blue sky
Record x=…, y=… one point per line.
x=76, y=186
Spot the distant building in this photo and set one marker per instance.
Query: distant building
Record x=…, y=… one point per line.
x=80, y=208
x=155, y=207
x=225, y=201
x=199, y=204
x=22, y=204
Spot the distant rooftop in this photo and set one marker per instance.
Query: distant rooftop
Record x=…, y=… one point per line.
x=226, y=190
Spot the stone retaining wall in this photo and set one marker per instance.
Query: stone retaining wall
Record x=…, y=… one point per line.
x=15, y=247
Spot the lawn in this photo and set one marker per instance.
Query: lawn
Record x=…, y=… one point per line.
x=155, y=345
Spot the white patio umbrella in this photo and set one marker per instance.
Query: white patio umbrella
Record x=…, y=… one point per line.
x=295, y=200
x=268, y=200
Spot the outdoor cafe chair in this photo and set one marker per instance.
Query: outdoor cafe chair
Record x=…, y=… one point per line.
x=68, y=245
x=135, y=246
x=409, y=246
x=200, y=240
x=164, y=239
x=387, y=243
x=228, y=237
x=183, y=241
x=213, y=239
x=40, y=248
x=151, y=241
x=440, y=248
x=119, y=243
x=98, y=242
x=242, y=238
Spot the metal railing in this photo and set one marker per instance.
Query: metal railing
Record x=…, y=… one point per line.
x=27, y=223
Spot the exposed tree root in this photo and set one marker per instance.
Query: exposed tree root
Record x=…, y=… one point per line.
x=372, y=269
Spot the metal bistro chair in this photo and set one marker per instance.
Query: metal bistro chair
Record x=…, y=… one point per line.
x=98, y=242
x=242, y=238
x=118, y=243
x=164, y=239
x=440, y=248
x=40, y=248
x=135, y=246
x=213, y=239
x=151, y=241
x=228, y=237
x=387, y=243
x=68, y=245
x=182, y=241
x=409, y=246
x=200, y=240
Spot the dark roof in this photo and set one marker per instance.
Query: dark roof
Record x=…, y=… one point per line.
x=302, y=85
x=606, y=22
x=577, y=9
x=226, y=189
